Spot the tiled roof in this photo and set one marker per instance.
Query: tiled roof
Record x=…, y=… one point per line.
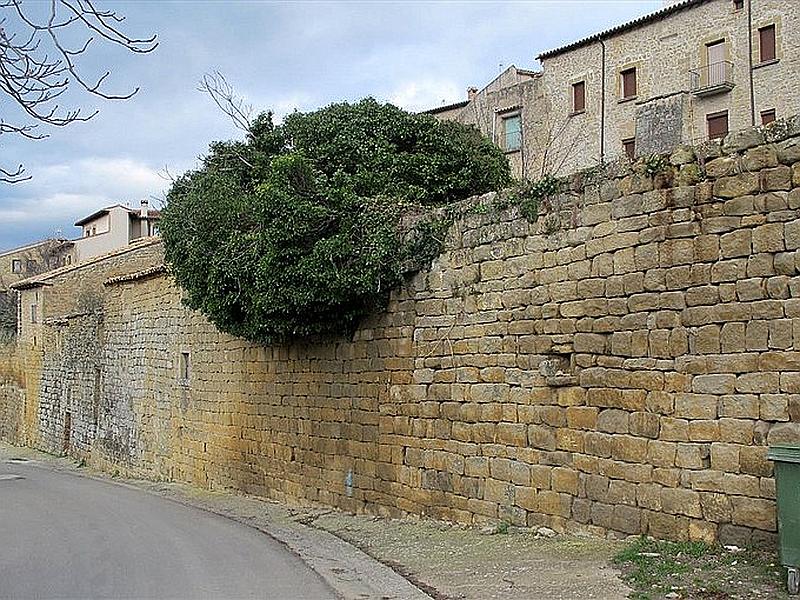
x=143, y=274
x=438, y=109
x=654, y=16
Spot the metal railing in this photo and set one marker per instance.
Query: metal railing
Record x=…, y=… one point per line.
x=713, y=78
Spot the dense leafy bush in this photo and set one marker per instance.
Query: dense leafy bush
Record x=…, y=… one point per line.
x=297, y=230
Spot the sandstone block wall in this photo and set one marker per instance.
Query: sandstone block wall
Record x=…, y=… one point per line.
x=620, y=366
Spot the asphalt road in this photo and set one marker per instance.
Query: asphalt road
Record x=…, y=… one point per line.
x=64, y=536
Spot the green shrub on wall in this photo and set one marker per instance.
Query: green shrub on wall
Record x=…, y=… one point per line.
x=297, y=230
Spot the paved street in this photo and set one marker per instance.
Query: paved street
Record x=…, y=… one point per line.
x=64, y=536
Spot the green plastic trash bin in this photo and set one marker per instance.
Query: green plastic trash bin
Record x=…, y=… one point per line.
x=787, y=482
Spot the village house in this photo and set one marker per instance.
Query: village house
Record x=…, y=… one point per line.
x=112, y=228
x=692, y=71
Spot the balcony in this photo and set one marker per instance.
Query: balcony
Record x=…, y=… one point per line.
x=716, y=78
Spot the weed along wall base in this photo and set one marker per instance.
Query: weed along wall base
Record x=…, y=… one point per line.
x=619, y=365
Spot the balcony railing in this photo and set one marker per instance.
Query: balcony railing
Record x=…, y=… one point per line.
x=715, y=78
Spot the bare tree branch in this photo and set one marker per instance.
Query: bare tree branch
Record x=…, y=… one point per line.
x=227, y=100
x=16, y=176
x=37, y=67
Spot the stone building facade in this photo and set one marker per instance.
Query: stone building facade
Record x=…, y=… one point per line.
x=620, y=365
x=504, y=110
x=692, y=71
x=24, y=262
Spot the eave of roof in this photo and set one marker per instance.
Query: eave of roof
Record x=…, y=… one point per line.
x=643, y=20
x=438, y=109
x=93, y=216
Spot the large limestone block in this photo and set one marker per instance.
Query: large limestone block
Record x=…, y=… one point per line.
x=737, y=185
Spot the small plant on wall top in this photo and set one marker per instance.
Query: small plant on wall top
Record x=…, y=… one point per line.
x=655, y=164
x=301, y=229
x=529, y=195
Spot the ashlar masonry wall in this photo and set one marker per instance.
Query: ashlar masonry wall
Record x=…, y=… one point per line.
x=621, y=365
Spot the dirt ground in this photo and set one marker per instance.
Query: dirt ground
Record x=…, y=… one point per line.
x=453, y=563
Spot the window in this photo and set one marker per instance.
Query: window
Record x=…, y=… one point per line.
x=34, y=310
x=717, y=125
x=512, y=132
x=185, y=367
x=30, y=266
x=766, y=43
x=738, y=4
x=579, y=97
x=628, y=78
x=629, y=146
x=767, y=116
x=16, y=266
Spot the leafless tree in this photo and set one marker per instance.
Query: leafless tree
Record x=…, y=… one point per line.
x=557, y=143
x=38, y=64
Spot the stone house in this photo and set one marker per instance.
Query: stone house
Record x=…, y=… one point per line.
x=20, y=263
x=499, y=110
x=690, y=72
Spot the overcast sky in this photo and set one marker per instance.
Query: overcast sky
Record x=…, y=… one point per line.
x=280, y=56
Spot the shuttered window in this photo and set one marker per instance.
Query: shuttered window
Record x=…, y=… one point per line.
x=579, y=97
x=512, y=132
x=628, y=83
x=767, y=116
x=766, y=37
x=738, y=4
x=717, y=125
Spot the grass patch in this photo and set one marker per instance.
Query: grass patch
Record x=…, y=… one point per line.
x=683, y=570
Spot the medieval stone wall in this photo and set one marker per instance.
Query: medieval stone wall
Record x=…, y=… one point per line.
x=621, y=365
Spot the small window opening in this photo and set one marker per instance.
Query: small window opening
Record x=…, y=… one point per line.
x=738, y=4
x=185, y=366
x=768, y=116
x=629, y=145
x=717, y=125
x=766, y=39
x=628, y=77
x=16, y=266
x=579, y=97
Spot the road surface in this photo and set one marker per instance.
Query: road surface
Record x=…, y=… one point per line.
x=65, y=536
